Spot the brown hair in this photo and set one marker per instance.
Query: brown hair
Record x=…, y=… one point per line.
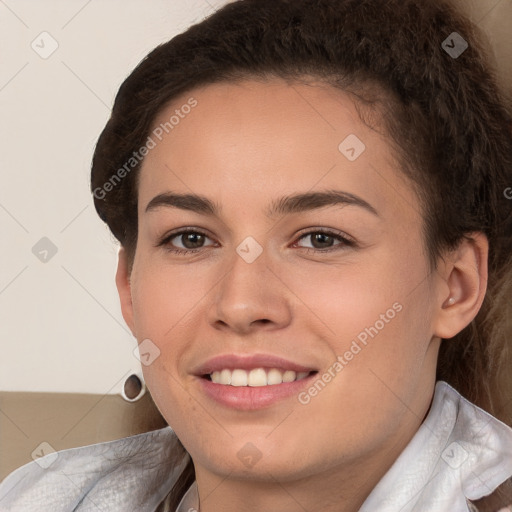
x=444, y=115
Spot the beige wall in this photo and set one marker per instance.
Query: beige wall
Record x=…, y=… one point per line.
x=61, y=326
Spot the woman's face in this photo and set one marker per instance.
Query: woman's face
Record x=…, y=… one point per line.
x=269, y=277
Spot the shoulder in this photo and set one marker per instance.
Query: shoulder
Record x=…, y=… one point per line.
x=113, y=476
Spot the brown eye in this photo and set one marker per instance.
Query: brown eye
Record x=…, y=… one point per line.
x=322, y=241
x=190, y=240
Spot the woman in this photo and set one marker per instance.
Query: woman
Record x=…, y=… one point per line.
x=316, y=239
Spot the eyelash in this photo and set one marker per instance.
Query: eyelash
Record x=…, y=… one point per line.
x=346, y=241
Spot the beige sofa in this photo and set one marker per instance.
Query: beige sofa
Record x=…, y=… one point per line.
x=67, y=420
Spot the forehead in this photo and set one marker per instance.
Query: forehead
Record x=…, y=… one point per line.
x=249, y=140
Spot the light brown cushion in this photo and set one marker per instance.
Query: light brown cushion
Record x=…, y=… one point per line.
x=67, y=420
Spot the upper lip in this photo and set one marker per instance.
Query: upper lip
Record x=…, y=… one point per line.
x=248, y=362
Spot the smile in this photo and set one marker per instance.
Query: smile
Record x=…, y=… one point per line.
x=256, y=377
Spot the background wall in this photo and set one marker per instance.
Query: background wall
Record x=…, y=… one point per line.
x=61, y=328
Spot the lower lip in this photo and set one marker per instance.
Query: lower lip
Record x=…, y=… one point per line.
x=247, y=398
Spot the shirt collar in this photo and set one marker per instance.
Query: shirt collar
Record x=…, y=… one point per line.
x=190, y=501
x=459, y=452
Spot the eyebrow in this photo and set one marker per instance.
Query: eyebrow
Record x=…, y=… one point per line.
x=284, y=205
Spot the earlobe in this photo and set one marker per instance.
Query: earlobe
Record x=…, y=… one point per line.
x=124, y=289
x=466, y=277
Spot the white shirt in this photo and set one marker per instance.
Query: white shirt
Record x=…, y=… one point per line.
x=459, y=452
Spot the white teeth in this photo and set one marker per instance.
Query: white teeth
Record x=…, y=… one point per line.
x=289, y=376
x=239, y=378
x=255, y=378
x=274, y=376
x=225, y=377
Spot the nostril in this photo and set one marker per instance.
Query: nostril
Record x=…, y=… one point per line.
x=263, y=321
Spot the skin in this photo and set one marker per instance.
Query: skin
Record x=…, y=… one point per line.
x=242, y=146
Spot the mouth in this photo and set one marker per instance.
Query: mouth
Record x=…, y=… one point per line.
x=248, y=382
x=256, y=377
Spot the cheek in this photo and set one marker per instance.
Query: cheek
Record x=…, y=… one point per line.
x=158, y=306
x=373, y=315
x=163, y=299
x=348, y=298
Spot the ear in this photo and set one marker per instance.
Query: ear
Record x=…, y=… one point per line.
x=464, y=273
x=124, y=289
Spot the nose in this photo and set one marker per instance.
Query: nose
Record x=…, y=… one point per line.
x=251, y=296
